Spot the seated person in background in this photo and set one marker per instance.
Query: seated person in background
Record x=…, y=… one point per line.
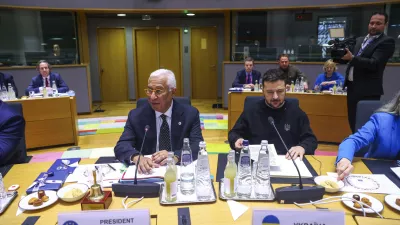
x=290, y=120
x=12, y=126
x=6, y=79
x=290, y=72
x=55, y=57
x=169, y=121
x=327, y=80
x=46, y=78
x=247, y=77
x=381, y=133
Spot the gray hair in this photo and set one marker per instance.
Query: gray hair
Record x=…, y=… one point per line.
x=171, y=81
x=393, y=107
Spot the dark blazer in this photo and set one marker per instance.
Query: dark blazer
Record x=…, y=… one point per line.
x=8, y=79
x=185, y=123
x=37, y=82
x=292, y=74
x=369, y=66
x=12, y=129
x=241, y=78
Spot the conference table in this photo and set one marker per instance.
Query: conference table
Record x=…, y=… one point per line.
x=217, y=213
x=327, y=113
x=49, y=121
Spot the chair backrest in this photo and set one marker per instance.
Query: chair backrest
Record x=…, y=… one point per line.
x=250, y=100
x=20, y=154
x=181, y=100
x=365, y=109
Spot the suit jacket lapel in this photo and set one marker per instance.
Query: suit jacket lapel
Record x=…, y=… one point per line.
x=358, y=47
x=152, y=133
x=373, y=43
x=177, y=122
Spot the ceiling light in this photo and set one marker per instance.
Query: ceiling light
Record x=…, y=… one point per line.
x=146, y=17
x=190, y=14
x=56, y=39
x=121, y=14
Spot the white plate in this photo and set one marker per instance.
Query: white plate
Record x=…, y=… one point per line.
x=318, y=180
x=391, y=200
x=23, y=204
x=83, y=187
x=376, y=204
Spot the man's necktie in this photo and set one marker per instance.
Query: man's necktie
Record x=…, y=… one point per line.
x=47, y=82
x=164, y=139
x=248, y=80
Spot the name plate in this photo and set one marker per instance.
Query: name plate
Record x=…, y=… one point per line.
x=297, y=217
x=103, y=217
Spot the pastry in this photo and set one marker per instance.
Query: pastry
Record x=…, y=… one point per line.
x=329, y=184
x=73, y=193
x=398, y=201
x=365, y=200
x=357, y=205
x=37, y=202
x=41, y=194
x=45, y=198
x=369, y=204
x=356, y=197
x=30, y=202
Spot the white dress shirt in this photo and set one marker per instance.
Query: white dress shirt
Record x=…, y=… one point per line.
x=159, y=121
x=367, y=39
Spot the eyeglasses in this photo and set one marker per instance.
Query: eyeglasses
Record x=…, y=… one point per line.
x=157, y=92
x=278, y=92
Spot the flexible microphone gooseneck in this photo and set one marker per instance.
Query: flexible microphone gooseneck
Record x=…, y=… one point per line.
x=298, y=194
x=135, y=190
x=272, y=122
x=146, y=128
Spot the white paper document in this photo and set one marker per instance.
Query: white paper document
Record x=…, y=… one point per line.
x=368, y=183
x=237, y=209
x=286, y=168
x=81, y=173
x=396, y=170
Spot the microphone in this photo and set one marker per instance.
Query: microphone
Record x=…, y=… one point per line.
x=146, y=128
x=298, y=194
x=135, y=190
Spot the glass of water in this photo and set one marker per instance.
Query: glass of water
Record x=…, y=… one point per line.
x=31, y=94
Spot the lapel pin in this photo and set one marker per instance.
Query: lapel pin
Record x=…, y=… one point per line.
x=179, y=123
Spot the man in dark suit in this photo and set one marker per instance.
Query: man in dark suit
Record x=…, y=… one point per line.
x=6, y=79
x=12, y=128
x=169, y=121
x=247, y=77
x=46, y=78
x=364, y=74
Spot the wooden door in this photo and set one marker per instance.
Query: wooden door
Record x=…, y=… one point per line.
x=146, y=58
x=112, y=64
x=170, y=53
x=204, y=62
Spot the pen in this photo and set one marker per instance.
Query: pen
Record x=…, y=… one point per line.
x=111, y=167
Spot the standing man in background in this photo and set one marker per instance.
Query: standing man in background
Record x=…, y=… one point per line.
x=290, y=72
x=46, y=78
x=364, y=74
x=247, y=77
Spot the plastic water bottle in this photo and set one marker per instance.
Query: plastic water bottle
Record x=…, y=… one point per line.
x=187, y=169
x=297, y=86
x=171, y=156
x=244, y=172
x=4, y=93
x=54, y=89
x=11, y=93
x=230, y=176
x=256, y=86
x=292, y=87
x=301, y=85
x=203, y=180
x=263, y=183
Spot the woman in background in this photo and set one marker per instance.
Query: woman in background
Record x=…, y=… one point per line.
x=381, y=133
x=329, y=78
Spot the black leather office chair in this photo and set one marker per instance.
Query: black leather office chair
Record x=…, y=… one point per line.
x=181, y=100
x=365, y=109
x=19, y=155
x=250, y=100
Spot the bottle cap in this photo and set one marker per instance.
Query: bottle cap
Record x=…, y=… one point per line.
x=264, y=142
x=245, y=142
x=202, y=144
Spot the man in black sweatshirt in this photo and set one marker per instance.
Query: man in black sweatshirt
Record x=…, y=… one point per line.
x=290, y=120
